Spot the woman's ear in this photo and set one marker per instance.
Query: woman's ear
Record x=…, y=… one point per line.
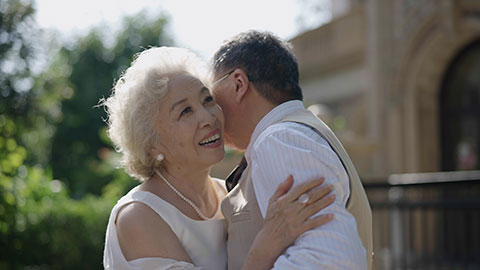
x=156, y=154
x=153, y=151
x=242, y=84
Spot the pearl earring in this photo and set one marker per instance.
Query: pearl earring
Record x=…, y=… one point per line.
x=160, y=157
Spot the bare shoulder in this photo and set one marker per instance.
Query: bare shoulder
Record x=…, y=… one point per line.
x=143, y=233
x=135, y=218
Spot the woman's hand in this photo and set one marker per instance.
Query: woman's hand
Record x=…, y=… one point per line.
x=287, y=218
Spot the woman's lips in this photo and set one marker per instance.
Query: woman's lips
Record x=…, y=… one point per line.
x=211, y=140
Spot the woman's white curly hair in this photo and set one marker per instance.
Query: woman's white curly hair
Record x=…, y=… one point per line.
x=133, y=107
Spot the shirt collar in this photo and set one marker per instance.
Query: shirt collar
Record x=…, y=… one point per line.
x=275, y=115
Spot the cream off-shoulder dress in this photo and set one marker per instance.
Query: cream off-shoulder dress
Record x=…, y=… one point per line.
x=203, y=240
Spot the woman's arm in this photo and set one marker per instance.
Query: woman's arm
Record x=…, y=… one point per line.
x=287, y=218
x=142, y=233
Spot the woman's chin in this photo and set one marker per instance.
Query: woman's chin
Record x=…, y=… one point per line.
x=214, y=160
x=219, y=158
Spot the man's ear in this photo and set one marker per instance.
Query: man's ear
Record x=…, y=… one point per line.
x=242, y=84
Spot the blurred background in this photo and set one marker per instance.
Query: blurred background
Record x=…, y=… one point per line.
x=397, y=80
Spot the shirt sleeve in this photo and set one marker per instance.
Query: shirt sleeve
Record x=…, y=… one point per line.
x=292, y=148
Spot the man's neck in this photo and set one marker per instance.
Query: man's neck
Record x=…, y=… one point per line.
x=254, y=112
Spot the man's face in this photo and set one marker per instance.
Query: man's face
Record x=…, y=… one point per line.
x=223, y=92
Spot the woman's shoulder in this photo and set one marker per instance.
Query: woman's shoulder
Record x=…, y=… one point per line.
x=134, y=219
x=138, y=223
x=138, y=210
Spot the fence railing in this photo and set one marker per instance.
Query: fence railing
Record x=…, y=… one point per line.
x=427, y=221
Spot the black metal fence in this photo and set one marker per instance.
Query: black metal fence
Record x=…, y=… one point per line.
x=427, y=221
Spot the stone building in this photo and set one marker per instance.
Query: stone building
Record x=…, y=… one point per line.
x=401, y=81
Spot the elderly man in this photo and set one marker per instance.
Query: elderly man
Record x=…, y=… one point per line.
x=256, y=84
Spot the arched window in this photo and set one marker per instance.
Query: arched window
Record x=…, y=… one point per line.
x=460, y=111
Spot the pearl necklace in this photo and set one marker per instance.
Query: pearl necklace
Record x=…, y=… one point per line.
x=195, y=207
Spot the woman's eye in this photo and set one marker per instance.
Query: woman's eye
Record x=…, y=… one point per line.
x=185, y=111
x=208, y=99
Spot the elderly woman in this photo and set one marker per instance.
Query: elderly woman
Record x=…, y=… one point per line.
x=169, y=130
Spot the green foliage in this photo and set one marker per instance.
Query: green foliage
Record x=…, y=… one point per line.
x=53, y=142
x=31, y=101
x=39, y=223
x=11, y=158
x=52, y=230
x=15, y=83
x=15, y=52
x=15, y=56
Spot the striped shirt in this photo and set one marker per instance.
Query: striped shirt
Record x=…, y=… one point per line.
x=279, y=149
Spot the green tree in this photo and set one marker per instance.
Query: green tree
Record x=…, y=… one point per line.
x=80, y=143
x=41, y=227
x=31, y=101
x=15, y=85
x=29, y=108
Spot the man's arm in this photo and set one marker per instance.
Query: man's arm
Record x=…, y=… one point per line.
x=295, y=149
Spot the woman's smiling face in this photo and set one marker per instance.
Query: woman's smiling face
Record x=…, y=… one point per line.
x=190, y=125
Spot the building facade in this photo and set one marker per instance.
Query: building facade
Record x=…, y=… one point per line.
x=401, y=83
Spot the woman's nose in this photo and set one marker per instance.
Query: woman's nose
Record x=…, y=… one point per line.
x=208, y=117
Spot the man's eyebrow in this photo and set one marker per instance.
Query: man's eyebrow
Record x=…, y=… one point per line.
x=177, y=103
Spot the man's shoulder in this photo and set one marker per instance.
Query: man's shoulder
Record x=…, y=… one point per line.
x=288, y=130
